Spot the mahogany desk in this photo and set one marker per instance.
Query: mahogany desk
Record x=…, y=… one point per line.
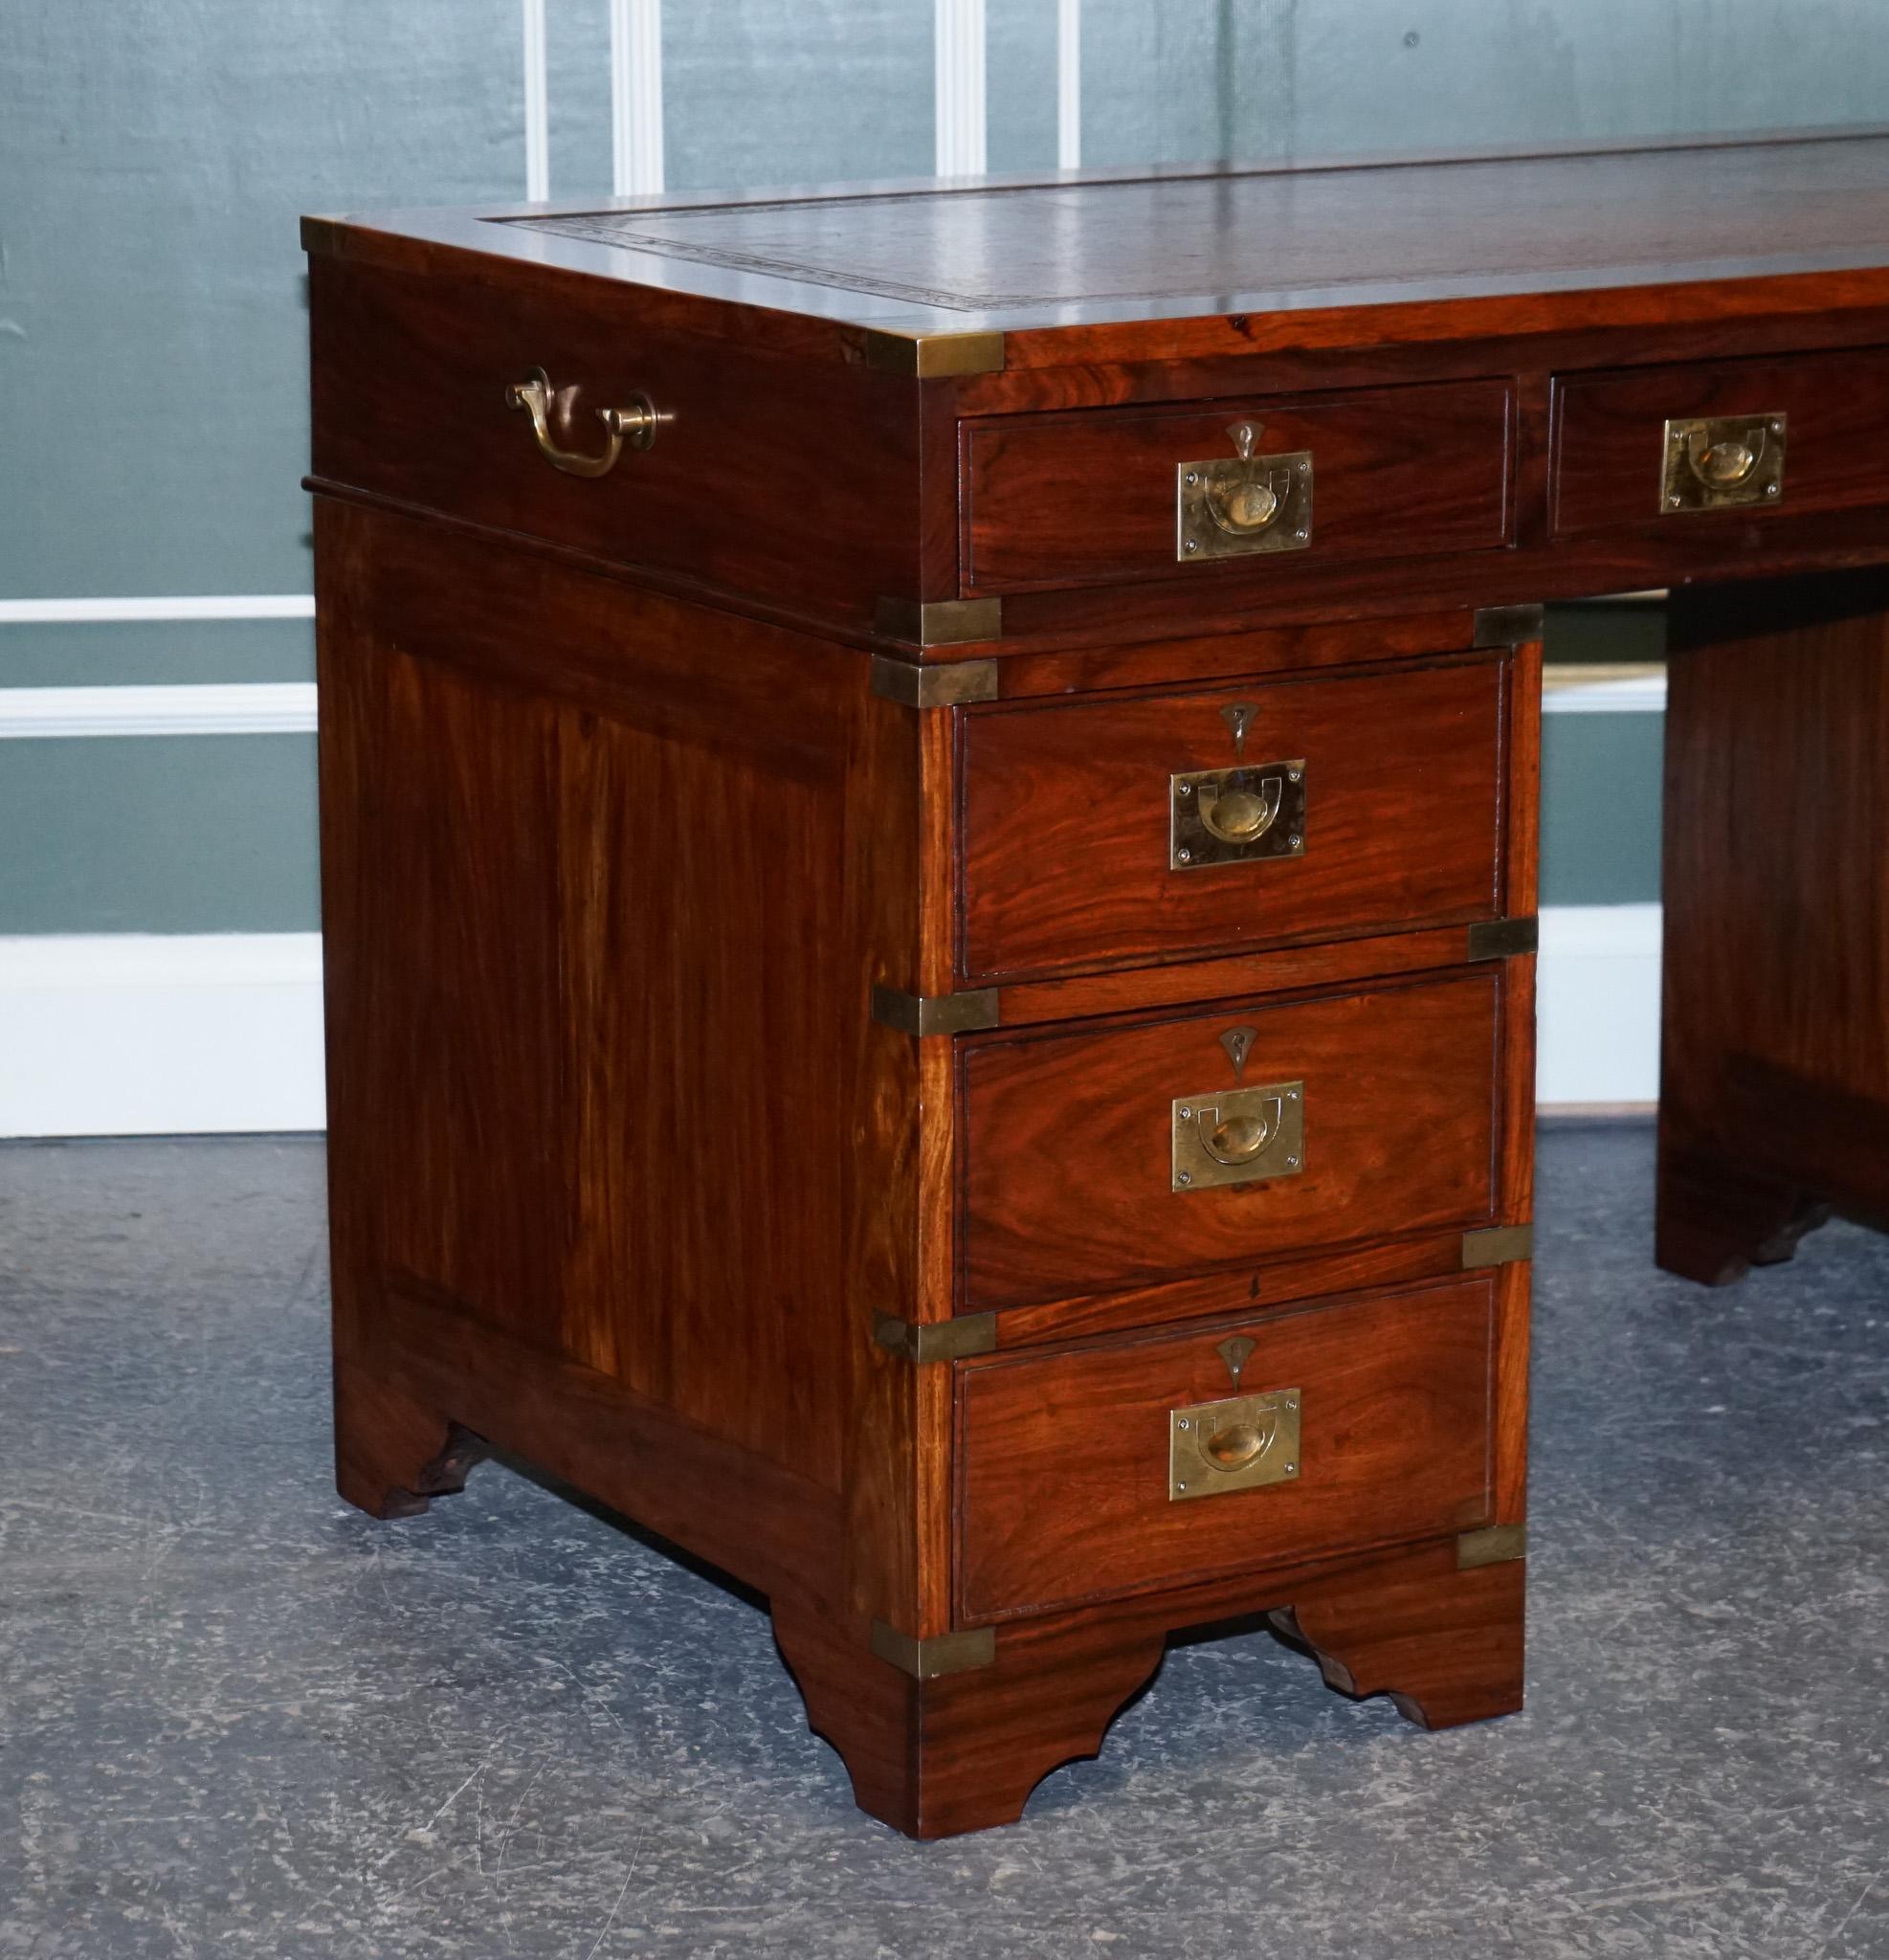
x=929, y=868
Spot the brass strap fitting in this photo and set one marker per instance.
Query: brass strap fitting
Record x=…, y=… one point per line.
x=938, y=1014
x=1501, y=1245
x=1494, y=1547
x=970, y=1333
x=1501, y=939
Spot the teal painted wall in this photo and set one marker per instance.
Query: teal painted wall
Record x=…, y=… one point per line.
x=1601, y=780
x=159, y=834
x=154, y=155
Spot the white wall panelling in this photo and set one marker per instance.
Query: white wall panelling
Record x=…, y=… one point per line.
x=635, y=96
x=1638, y=694
x=215, y=606
x=1069, y=84
x=958, y=90
x=537, y=102
x=1598, y=1006
x=122, y=1035
x=260, y=707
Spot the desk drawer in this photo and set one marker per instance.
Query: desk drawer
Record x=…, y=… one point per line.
x=1097, y=497
x=1816, y=428
x=793, y=480
x=1368, y=1423
x=1120, y=1153
x=1099, y=832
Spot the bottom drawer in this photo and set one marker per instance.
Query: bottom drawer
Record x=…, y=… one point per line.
x=1068, y=1461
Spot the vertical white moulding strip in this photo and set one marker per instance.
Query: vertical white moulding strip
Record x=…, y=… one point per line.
x=1069, y=84
x=635, y=96
x=959, y=87
x=537, y=104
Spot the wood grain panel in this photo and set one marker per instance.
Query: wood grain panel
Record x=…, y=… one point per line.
x=1774, y=1090
x=1609, y=447
x=1509, y=1400
x=1522, y=854
x=964, y=1751
x=1090, y=499
x=561, y=819
x=1276, y=1284
x=1612, y=330
x=1176, y=658
x=1280, y=970
x=1067, y=816
x=410, y=380
x=631, y=1451
x=1298, y=589
x=1065, y=1456
x=445, y=1051
x=1066, y=1150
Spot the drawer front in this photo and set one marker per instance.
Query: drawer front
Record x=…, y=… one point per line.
x=1377, y=802
x=1370, y=1423
x=1080, y=1173
x=1813, y=430
x=1097, y=498
x=421, y=395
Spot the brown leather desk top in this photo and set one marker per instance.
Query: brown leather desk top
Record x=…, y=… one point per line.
x=1052, y=263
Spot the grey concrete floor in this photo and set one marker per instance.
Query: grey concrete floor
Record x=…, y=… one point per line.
x=240, y=1718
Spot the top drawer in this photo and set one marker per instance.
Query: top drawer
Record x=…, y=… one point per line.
x=1805, y=432
x=796, y=480
x=1102, y=496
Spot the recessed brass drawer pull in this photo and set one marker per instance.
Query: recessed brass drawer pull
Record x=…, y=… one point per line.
x=1240, y=816
x=1722, y=463
x=1239, y=1136
x=1230, y=817
x=1237, y=1444
x=1227, y=507
x=545, y=404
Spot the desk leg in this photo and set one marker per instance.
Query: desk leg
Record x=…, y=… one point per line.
x=1774, y=1100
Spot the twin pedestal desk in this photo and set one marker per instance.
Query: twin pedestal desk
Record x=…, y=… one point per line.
x=928, y=829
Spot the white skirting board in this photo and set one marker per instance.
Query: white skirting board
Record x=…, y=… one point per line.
x=122, y=1034
x=1597, y=1007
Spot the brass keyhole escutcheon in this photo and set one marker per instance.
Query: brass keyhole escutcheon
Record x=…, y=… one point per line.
x=1237, y=1139
x=1236, y=1446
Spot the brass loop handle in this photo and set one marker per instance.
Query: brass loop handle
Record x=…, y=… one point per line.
x=1250, y=502
x=1238, y=817
x=1723, y=465
x=1239, y=1139
x=637, y=425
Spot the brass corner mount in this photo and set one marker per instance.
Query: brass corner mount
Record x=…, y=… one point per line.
x=938, y=622
x=933, y=356
x=942, y=1653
